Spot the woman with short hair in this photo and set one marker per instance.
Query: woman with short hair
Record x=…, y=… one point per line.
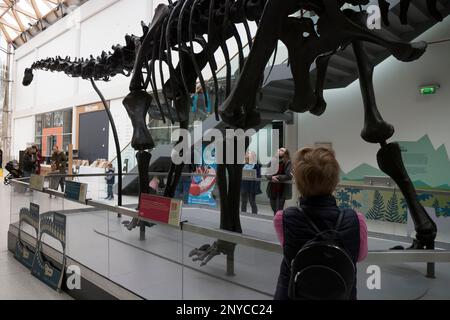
x=316, y=173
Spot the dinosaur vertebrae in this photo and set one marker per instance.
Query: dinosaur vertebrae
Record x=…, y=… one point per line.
x=118, y=61
x=198, y=14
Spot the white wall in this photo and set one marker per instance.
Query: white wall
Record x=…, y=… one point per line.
x=92, y=28
x=397, y=91
x=108, y=28
x=123, y=126
x=54, y=89
x=22, y=135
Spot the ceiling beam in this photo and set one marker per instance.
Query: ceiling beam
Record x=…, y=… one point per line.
x=19, y=18
x=36, y=9
x=5, y=33
x=26, y=13
x=5, y=23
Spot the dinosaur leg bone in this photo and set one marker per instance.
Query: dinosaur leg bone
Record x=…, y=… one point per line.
x=375, y=130
x=269, y=30
x=137, y=104
x=390, y=162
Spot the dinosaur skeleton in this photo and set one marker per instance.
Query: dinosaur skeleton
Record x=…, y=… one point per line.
x=177, y=26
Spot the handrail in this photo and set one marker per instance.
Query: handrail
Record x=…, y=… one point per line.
x=399, y=256
x=193, y=174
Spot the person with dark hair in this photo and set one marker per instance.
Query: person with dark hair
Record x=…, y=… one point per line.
x=110, y=180
x=38, y=157
x=279, y=188
x=249, y=188
x=316, y=172
x=28, y=163
x=201, y=107
x=59, y=160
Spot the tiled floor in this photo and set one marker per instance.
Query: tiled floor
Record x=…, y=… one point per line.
x=16, y=282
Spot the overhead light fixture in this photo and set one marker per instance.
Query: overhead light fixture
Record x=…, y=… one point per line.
x=429, y=89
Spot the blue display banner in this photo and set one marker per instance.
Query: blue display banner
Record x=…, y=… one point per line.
x=202, y=186
x=24, y=253
x=54, y=225
x=75, y=191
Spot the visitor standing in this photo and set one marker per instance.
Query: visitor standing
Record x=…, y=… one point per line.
x=316, y=173
x=110, y=180
x=250, y=188
x=58, y=161
x=279, y=188
x=38, y=157
x=201, y=107
x=28, y=163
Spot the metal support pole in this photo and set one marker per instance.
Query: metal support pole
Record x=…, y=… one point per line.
x=230, y=264
x=141, y=231
x=116, y=142
x=5, y=139
x=431, y=270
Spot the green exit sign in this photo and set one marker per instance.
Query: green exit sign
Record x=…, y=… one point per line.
x=427, y=90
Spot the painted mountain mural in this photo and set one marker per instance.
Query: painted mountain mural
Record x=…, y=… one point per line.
x=361, y=171
x=428, y=167
x=425, y=164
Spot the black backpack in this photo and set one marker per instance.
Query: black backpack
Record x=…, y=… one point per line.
x=322, y=269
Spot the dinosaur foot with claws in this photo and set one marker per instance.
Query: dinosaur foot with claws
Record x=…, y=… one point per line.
x=130, y=225
x=207, y=252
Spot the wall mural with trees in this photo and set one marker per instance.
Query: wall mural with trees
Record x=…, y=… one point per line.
x=429, y=168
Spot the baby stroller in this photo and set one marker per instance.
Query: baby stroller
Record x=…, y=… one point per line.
x=14, y=172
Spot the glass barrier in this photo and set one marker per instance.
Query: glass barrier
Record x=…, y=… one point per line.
x=384, y=207
x=200, y=261
x=235, y=272
x=20, y=197
x=148, y=265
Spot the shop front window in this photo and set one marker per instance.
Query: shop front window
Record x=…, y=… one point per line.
x=53, y=129
x=48, y=120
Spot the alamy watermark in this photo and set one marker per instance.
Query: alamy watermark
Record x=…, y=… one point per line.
x=373, y=15
x=374, y=280
x=73, y=281
x=229, y=146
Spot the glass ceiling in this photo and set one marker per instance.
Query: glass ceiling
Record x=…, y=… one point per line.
x=18, y=16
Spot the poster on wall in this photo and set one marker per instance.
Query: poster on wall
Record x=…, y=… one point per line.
x=201, y=191
x=23, y=252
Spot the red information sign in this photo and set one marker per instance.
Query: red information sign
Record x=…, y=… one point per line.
x=161, y=209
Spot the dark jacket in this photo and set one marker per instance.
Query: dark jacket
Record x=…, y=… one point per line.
x=285, y=176
x=324, y=212
x=28, y=164
x=60, y=159
x=252, y=187
x=110, y=177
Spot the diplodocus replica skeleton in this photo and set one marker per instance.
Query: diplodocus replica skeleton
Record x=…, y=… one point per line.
x=177, y=26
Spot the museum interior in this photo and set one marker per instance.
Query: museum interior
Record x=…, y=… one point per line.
x=185, y=150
